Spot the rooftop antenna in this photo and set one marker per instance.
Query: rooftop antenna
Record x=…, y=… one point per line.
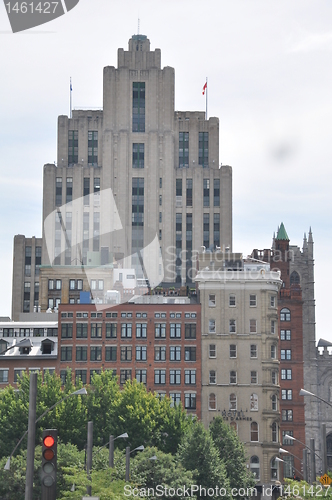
x=138, y=26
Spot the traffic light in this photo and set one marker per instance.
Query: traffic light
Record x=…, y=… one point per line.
x=49, y=464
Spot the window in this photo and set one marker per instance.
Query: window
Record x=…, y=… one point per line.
x=286, y=441
x=273, y=351
x=69, y=190
x=285, y=335
x=175, y=353
x=175, y=377
x=140, y=353
x=287, y=394
x=253, y=301
x=175, y=398
x=17, y=375
x=206, y=230
x=286, y=374
x=110, y=353
x=212, y=300
x=189, y=193
x=81, y=375
x=212, y=401
x=190, y=377
x=86, y=190
x=160, y=353
x=138, y=106
x=289, y=470
x=206, y=192
x=253, y=351
x=124, y=375
x=232, y=402
x=232, y=301
x=81, y=353
x=294, y=278
x=273, y=327
x=285, y=314
x=63, y=376
x=274, y=432
x=274, y=377
x=212, y=377
x=190, y=331
x=216, y=230
x=72, y=147
x=125, y=353
x=216, y=192
x=232, y=351
x=274, y=400
x=183, y=149
x=253, y=326
x=254, y=467
x=232, y=377
x=203, y=149
x=160, y=376
x=126, y=330
x=58, y=192
x=141, y=376
x=254, y=431
x=96, y=330
x=272, y=301
x=190, y=401
x=175, y=330
x=253, y=377
x=111, y=330
x=81, y=330
x=67, y=330
x=95, y=353
x=141, y=329
x=253, y=402
x=286, y=354
x=93, y=148
x=3, y=376
x=212, y=351
x=66, y=353
x=232, y=326
x=190, y=353
x=274, y=469
x=160, y=330
x=138, y=155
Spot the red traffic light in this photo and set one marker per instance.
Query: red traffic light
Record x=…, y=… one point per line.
x=48, y=441
x=48, y=454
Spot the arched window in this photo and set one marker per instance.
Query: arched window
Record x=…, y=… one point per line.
x=294, y=278
x=274, y=432
x=254, y=466
x=212, y=401
x=285, y=314
x=233, y=426
x=254, y=431
x=232, y=402
x=273, y=351
x=274, y=469
x=274, y=400
x=254, y=402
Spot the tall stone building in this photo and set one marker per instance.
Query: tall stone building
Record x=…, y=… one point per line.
x=298, y=367
x=240, y=364
x=135, y=175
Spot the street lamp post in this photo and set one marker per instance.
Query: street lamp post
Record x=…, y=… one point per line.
x=312, y=451
x=128, y=452
x=304, y=474
x=111, y=448
x=304, y=392
x=277, y=459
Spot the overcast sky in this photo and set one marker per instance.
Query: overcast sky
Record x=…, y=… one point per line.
x=270, y=83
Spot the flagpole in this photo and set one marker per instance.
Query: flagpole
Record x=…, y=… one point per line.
x=206, y=101
x=71, y=89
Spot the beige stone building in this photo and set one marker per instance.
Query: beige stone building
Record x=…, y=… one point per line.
x=240, y=379
x=137, y=174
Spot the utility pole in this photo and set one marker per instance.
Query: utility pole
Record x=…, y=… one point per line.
x=312, y=461
x=127, y=463
x=31, y=437
x=111, y=452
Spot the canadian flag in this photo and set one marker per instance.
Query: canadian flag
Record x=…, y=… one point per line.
x=204, y=88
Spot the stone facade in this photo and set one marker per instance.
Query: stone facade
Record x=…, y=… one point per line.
x=240, y=366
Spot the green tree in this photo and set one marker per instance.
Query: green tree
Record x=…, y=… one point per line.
x=232, y=452
x=198, y=453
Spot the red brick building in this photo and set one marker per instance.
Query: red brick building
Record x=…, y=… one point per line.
x=158, y=344
x=290, y=327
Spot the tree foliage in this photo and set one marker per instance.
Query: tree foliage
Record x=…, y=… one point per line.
x=231, y=451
